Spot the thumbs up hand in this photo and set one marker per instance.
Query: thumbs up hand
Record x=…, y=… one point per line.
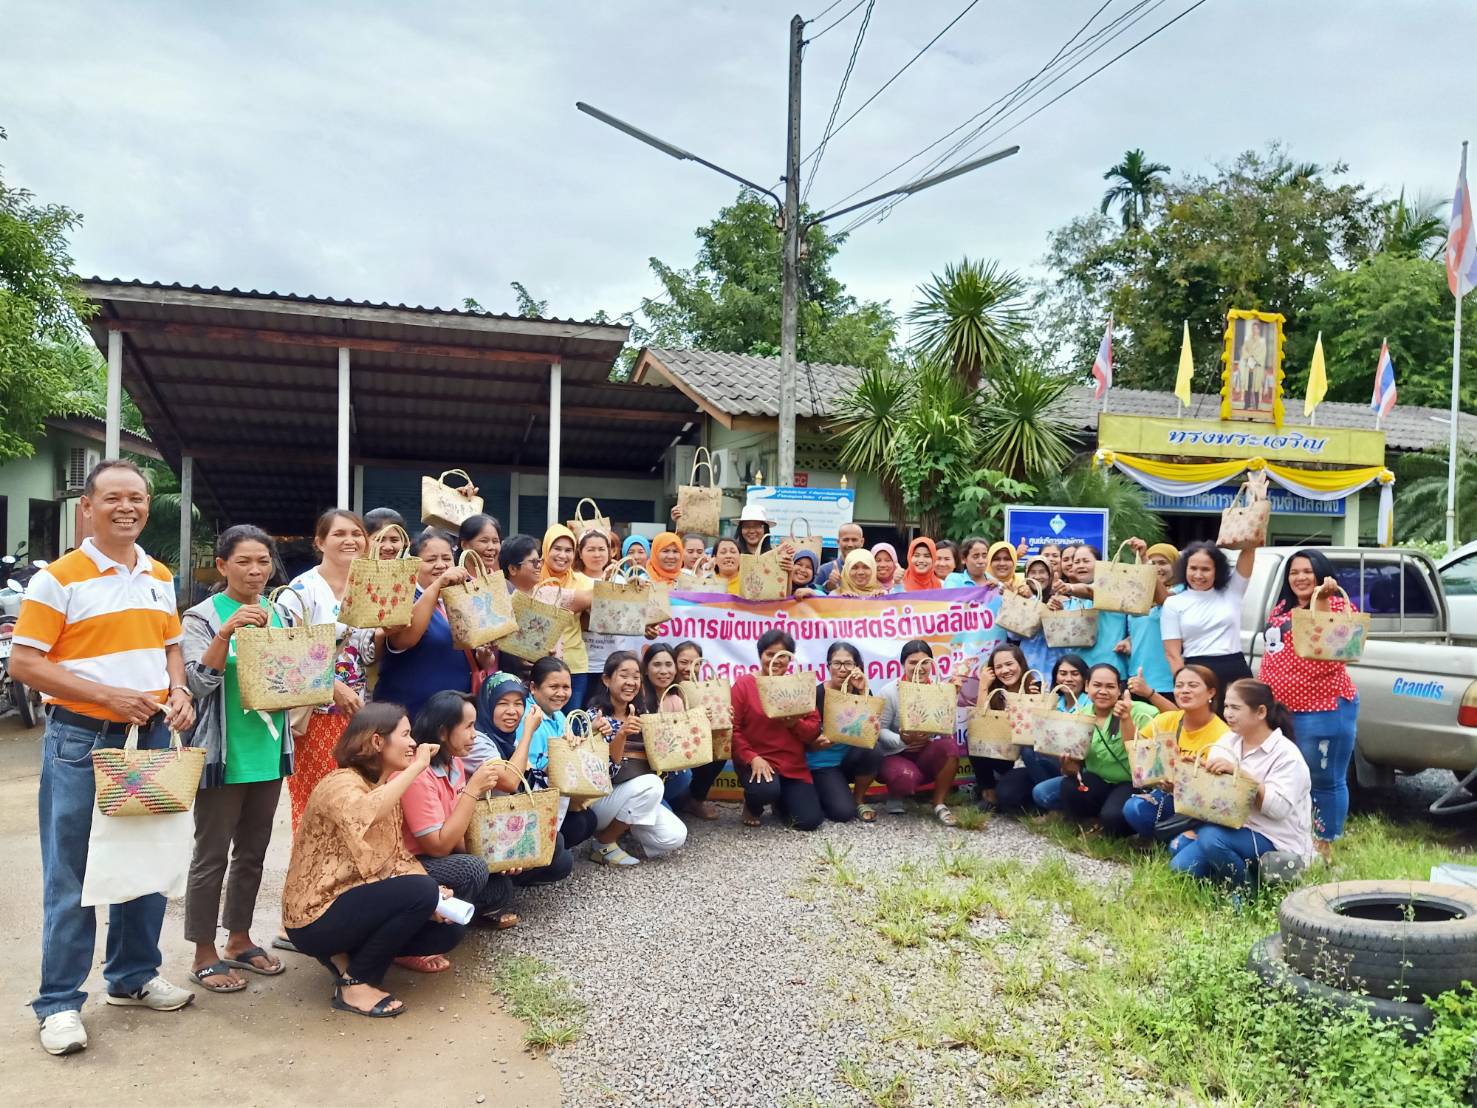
x=1137, y=685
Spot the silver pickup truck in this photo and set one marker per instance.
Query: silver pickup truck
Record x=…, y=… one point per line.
x=1418, y=678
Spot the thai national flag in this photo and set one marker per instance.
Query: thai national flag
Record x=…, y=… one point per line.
x=1384, y=383
x=1102, y=365
x=1461, y=238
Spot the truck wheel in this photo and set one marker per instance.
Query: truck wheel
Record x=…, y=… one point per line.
x=1396, y=940
x=1266, y=961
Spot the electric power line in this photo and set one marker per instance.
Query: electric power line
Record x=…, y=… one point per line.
x=840, y=93
x=843, y=19
x=822, y=14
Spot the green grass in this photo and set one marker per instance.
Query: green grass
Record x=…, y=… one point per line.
x=1142, y=977
x=540, y=998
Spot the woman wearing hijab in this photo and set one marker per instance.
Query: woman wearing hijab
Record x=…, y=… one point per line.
x=859, y=575
x=1041, y=656
x=884, y=564
x=576, y=591
x=637, y=548
x=802, y=574
x=1146, y=657
x=919, y=575
x=666, y=558
x=1000, y=564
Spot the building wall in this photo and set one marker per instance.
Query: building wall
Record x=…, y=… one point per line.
x=38, y=477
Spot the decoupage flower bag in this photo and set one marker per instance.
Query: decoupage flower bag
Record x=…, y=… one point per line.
x=1320, y=633
x=579, y=761
x=925, y=707
x=1223, y=798
x=853, y=718
x=285, y=667
x=988, y=730
x=677, y=740
x=480, y=610
x=380, y=592
x=516, y=831
x=540, y=626
x=786, y=695
x=1124, y=586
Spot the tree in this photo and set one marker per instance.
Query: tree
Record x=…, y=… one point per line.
x=1139, y=181
x=972, y=318
x=1129, y=515
x=731, y=298
x=1021, y=431
x=39, y=308
x=1416, y=228
x=1420, y=496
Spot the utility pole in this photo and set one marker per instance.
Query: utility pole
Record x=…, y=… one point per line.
x=790, y=288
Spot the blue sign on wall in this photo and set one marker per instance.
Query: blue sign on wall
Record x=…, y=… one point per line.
x=1219, y=499
x=1040, y=526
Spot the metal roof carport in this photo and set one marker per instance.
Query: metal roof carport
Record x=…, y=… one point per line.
x=266, y=402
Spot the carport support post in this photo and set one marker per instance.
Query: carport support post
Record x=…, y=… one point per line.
x=342, y=499
x=114, y=426
x=556, y=381
x=186, y=510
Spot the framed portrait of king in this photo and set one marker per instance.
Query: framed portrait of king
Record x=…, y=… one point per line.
x=1251, y=383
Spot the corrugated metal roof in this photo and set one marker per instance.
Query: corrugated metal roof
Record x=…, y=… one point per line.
x=749, y=384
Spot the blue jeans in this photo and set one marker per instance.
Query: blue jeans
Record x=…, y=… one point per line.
x=1143, y=811
x=69, y=931
x=1326, y=740
x=1217, y=852
x=579, y=684
x=675, y=788
x=1048, y=795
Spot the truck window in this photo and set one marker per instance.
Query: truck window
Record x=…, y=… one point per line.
x=1378, y=593
x=1460, y=578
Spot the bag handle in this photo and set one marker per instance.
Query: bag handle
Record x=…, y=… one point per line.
x=919, y=664
x=1327, y=601
x=1137, y=557
x=698, y=668
x=480, y=573
x=131, y=741
x=571, y=718
x=794, y=520
x=702, y=457
x=782, y=654
x=583, y=501
x=852, y=678
x=681, y=693
x=385, y=530
x=454, y=473
x=995, y=691
x=1026, y=679
x=302, y=601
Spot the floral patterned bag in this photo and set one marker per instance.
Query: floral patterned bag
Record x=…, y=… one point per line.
x=1069, y=627
x=1223, y=798
x=925, y=707
x=988, y=730
x=853, y=719
x=1151, y=758
x=480, y=610
x=658, y=605
x=677, y=740
x=619, y=605
x=285, y=667
x=786, y=695
x=1325, y=635
x=540, y=626
x=1124, y=587
x=579, y=524
x=1022, y=708
x=762, y=576
x=700, y=504
x=579, y=761
x=444, y=505
x=380, y=593
x=715, y=695
x=1063, y=734
x=1243, y=525
x=516, y=831
x=1021, y=615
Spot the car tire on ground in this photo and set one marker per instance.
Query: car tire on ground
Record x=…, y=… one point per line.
x=1267, y=963
x=1398, y=940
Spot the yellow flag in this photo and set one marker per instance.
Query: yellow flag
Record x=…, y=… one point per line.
x=1317, y=379
x=1187, y=370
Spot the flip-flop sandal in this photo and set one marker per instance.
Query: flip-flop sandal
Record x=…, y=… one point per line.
x=866, y=813
x=282, y=942
x=945, y=816
x=380, y=1011
x=216, y=969
x=421, y=964
x=244, y=961
x=750, y=819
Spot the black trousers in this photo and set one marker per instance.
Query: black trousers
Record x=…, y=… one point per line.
x=703, y=778
x=787, y=795
x=987, y=772
x=376, y=923
x=467, y=877
x=1100, y=799
x=833, y=783
x=577, y=827
x=1228, y=669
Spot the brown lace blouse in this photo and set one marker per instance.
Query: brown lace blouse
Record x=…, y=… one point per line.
x=338, y=846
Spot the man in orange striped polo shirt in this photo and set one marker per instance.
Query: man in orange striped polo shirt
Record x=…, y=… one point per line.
x=99, y=636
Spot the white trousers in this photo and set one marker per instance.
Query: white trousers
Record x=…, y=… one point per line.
x=638, y=802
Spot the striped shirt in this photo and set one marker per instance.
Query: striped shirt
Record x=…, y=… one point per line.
x=103, y=622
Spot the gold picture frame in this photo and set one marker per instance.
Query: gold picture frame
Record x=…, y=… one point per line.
x=1251, y=375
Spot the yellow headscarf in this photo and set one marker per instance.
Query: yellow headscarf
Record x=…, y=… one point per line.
x=861, y=556
x=571, y=578
x=1170, y=553
x=1015, y=578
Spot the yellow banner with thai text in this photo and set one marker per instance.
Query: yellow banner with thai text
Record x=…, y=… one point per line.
x=1211, y=438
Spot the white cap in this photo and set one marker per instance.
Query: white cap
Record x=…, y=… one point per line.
x=753, y=513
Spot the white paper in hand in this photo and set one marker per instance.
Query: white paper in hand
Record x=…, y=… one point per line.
x=457, y=911
x=133, y=856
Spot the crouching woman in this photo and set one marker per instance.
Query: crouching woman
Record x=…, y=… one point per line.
x=1261, y=745
x=769, y=754
x=355, y=898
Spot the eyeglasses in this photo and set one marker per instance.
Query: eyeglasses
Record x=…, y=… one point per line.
x=533, y=561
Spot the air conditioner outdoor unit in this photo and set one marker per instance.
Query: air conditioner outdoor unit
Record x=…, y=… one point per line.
x=726, y=474
x=80, y=461
x=677, y=467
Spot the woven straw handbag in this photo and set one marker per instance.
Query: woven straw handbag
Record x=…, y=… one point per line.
x=805, y=540
x=1022, y=708
x=925, y=707
x=700, y=504
x=480, y=609
x=1069, y=627
x=658, y=604
x=516, y=831
x=988, y=730
x=540, y=626
x=1123, y=586
x=580, y=523
x=703, y=581
x=1063, y=734
x=715, y=695
x=853, y=718
x=762, y=576
x=1223, y=798
x=677, y=740
x=579, y=761
x=1151, y=758
x=1243, y=525
x=1021, y=615
x=134, y=782
x=619, y=605
x=1320, y=633
x=285, y=667
x=785, y=695
x=380, y=592
x=443, y=505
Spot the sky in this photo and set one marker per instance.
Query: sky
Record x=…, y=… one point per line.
x=429, y=152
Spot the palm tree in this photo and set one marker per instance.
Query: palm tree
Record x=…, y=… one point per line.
x=1420, y=509
x=972, y=318
x=1129, y=515
x=866, y=424
x=1024, y=437
x=1138, y=182
x=1415, y=228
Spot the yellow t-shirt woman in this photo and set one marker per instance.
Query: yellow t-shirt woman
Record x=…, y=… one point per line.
x=1191, y=742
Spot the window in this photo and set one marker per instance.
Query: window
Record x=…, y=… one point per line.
x=1460, y=577
x=1378, y=592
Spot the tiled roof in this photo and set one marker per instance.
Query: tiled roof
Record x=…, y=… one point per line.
x=1405, y=428
x=749, y=384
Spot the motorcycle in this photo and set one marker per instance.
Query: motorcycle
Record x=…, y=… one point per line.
x=25, y=701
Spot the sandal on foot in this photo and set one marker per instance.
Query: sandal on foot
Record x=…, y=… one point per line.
x=945, y=815
x=221, y=968
x=702, y=809
x=380, y=1011
x=611, y=854
x=500, y=921
x=282, y=942
x=750, y=819
x=896, y=808
x=866, y=813
x=244, y=961
x=421, y=963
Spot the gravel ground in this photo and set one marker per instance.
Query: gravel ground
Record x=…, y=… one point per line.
x=716, y=976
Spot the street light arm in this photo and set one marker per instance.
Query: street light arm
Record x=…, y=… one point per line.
x=670, y=150
x=917, y=186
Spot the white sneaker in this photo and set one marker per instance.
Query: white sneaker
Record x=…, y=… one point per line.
x=158, y=994
x=63, y=1033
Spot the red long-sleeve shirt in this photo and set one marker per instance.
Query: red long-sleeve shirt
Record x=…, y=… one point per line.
x=780, y=742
